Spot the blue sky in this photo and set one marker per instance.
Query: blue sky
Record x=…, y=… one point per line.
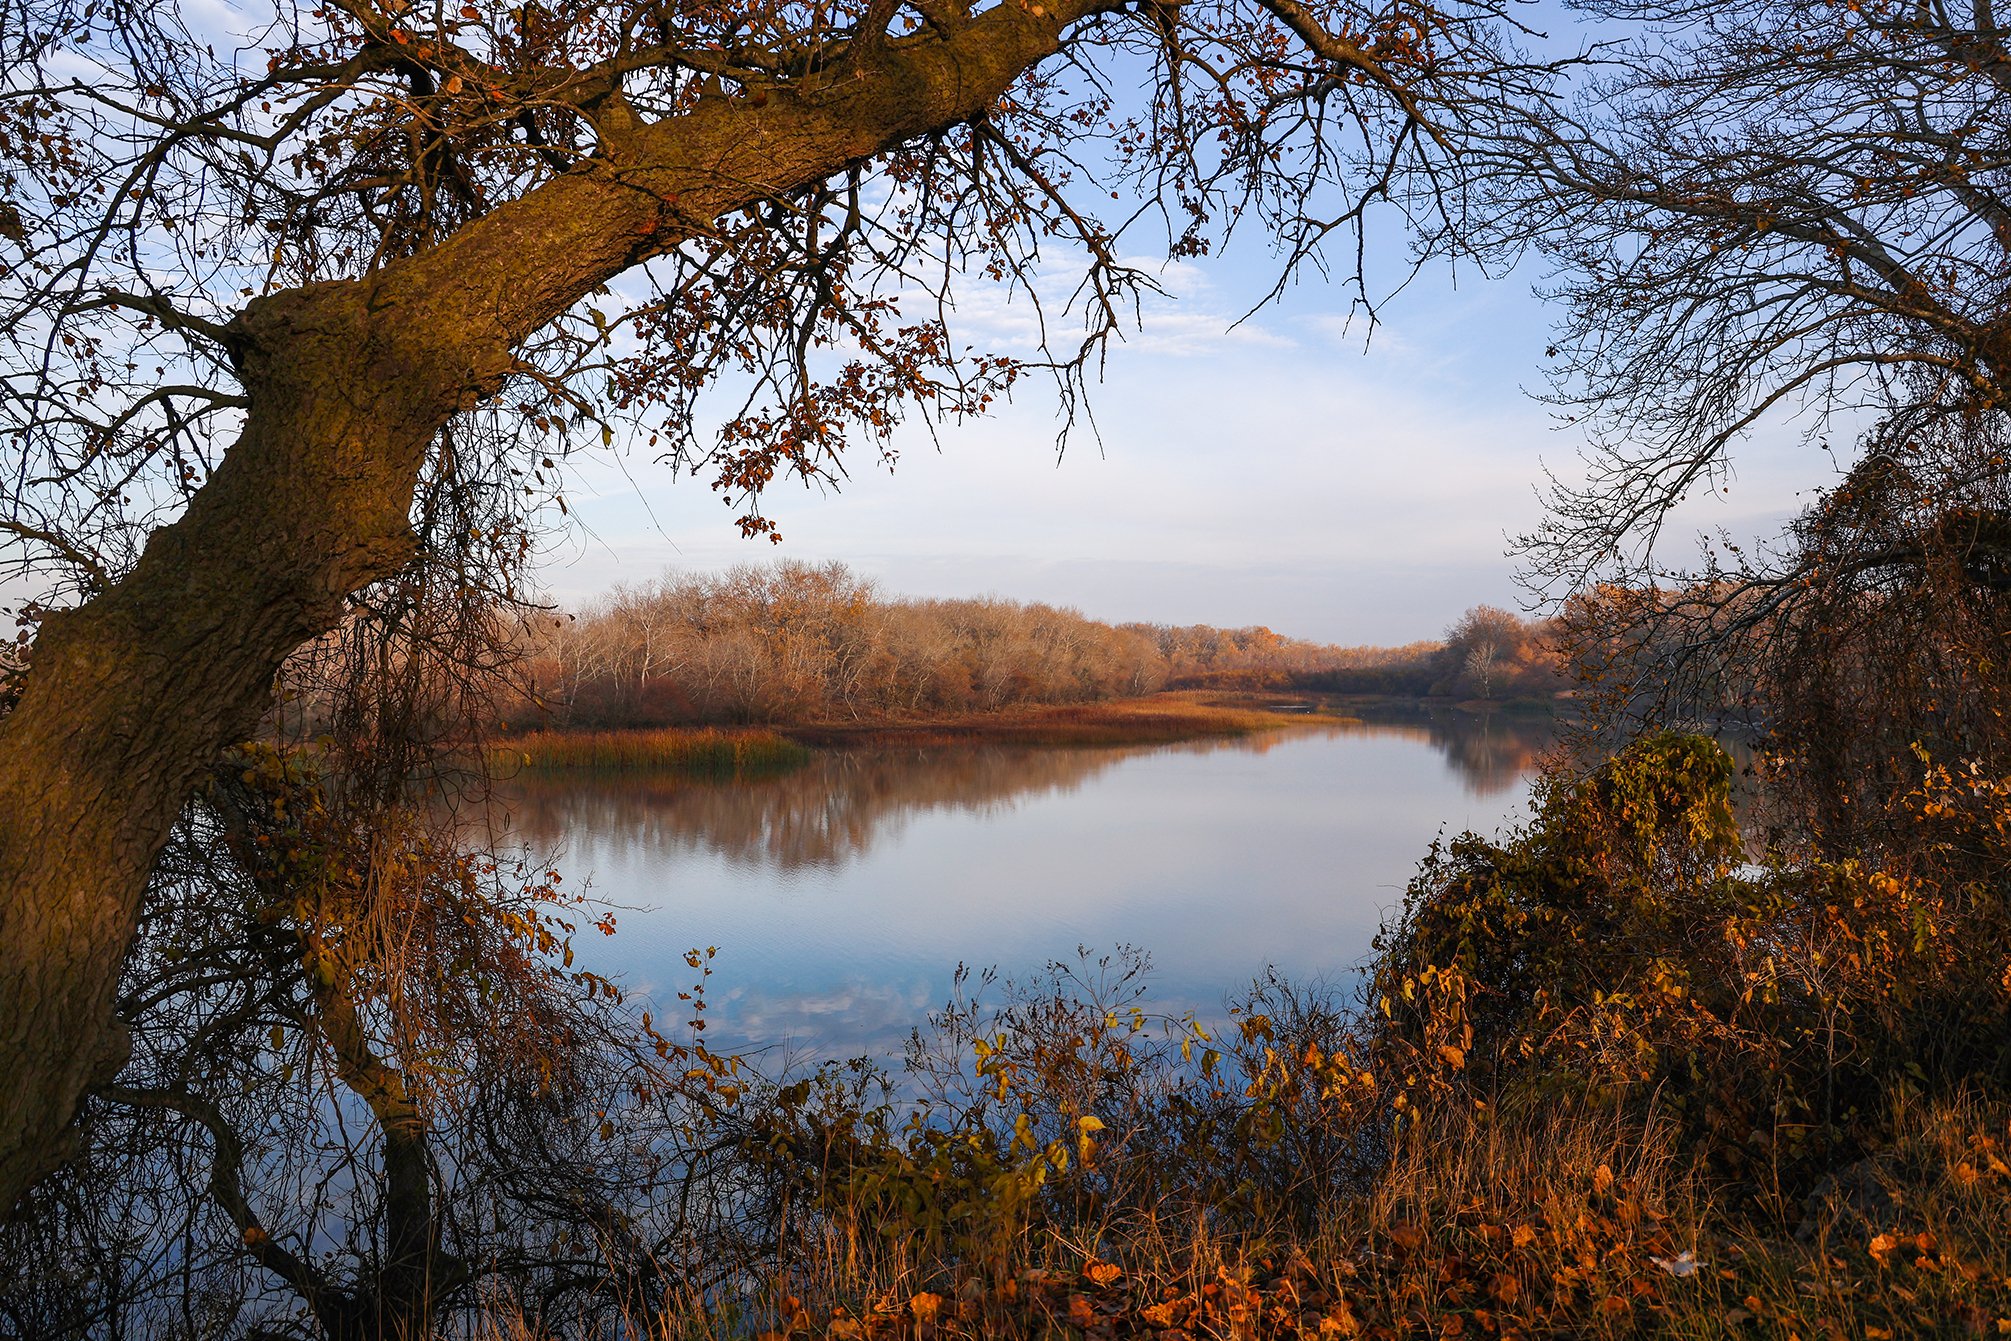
x=1275, y=473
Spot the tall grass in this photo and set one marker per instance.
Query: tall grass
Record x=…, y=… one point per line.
x=708, y=752
x=1561, y=1219
x=1159, y=719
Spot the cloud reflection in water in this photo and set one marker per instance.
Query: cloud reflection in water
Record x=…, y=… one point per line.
x=843, y=896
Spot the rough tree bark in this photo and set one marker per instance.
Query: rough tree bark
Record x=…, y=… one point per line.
x=133, y=693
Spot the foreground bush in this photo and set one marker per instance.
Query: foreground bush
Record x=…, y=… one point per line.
x=1558, y=1226
x=1619, y=951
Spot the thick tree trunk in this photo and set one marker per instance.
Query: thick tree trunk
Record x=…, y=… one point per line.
x=131, y=695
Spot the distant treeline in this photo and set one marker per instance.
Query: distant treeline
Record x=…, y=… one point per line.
x=1489, y=653
x=794, y=642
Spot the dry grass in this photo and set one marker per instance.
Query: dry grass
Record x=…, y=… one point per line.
x=1910, y=1242
x=1560, y=1224
x=1157, y=719
x=702, y=752
x=1560, y=1221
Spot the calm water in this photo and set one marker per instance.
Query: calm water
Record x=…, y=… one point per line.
x=843, y=896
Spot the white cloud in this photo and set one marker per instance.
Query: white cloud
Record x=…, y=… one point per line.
x=1261, y=474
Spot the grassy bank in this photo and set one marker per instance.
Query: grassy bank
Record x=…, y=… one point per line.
x=1160, y=718
x=695, y=752
x=725, y=752
x=746, y=751
x=1565, y=1227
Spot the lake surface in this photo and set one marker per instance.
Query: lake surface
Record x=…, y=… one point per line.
x=842, y=897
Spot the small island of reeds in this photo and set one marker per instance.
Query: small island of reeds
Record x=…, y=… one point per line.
x=693, y=751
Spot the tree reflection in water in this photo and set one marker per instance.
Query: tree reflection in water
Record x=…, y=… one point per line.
x=842, y=895
x=1491, y=751
x=844, y=802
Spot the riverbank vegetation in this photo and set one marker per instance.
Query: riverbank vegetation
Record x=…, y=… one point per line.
x=748, y=752
x=1167, y=716
x=802, y=644
x=704, y=752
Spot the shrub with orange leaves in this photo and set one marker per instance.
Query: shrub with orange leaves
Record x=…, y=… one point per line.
x=1618, y=951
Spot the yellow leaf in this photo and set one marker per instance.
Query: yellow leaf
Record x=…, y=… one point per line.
x=1453, y=1056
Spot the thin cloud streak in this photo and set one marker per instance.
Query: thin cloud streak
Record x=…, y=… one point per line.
x=1272, y=472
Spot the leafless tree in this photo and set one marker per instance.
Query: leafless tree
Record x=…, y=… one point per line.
x=1770, y=208
x=802, y=642
x=1766, y=206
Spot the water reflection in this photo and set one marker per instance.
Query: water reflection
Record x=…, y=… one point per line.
x=824, y=814
x=843, y=896
x=841, y=804
x=1491, y=751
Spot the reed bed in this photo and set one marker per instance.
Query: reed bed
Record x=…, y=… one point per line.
x=710, y=752
x=1159, y=719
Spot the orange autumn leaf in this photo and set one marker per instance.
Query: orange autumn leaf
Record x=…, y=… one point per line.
x=1340, y=1322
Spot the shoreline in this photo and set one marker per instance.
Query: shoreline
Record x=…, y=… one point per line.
x=1153, y=719
x=1146, y=720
